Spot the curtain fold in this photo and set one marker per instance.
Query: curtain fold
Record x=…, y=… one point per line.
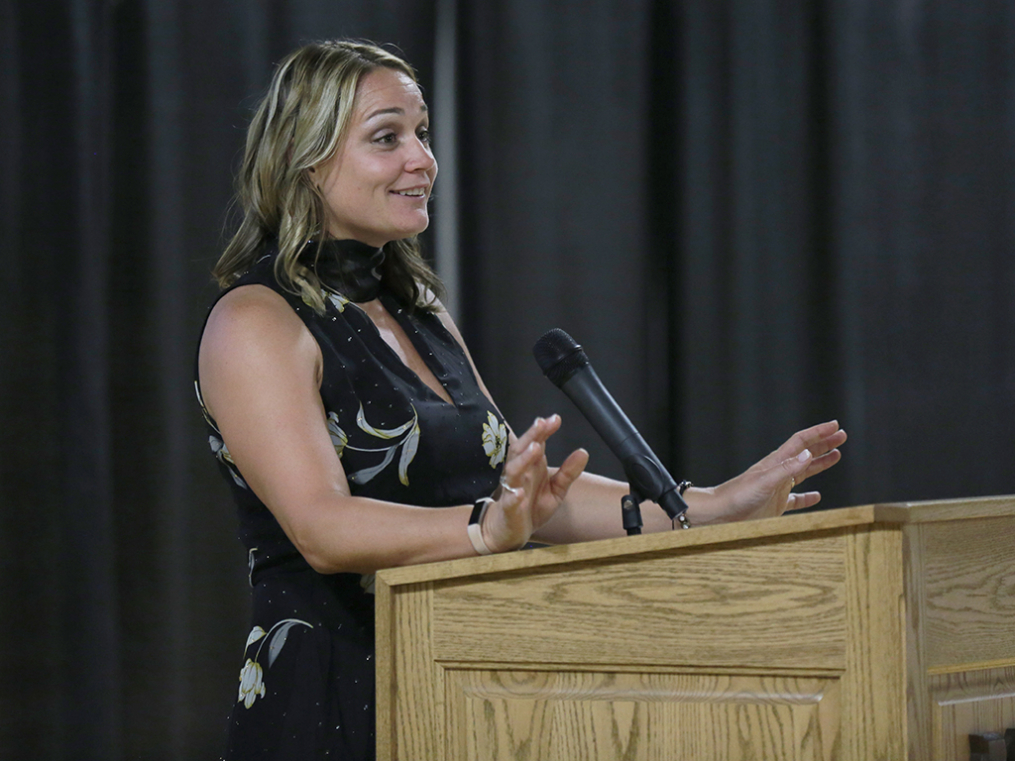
x=555, y=231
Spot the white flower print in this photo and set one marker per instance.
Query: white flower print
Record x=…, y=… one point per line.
x=251, y=684
x=218, y=445
x=250, y=580
x=408, y=432
x=409, y=447
x=222, y=453
x=251, y=675
x=368, y=583
x=338, y=300
x=255, y=634
x=494, y=440
x=338, y=437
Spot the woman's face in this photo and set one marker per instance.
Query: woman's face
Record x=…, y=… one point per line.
x=377, y=184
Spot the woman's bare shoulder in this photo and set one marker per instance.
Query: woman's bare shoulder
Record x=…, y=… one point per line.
x=252, y=316
x=253, y=334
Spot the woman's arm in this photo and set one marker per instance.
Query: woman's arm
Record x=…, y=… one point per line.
x=260, y=371
x=591, y=509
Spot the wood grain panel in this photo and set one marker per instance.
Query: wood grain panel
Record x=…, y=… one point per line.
x=967, y=703
x=522, y=715
x=969, y=583
x=767, y=604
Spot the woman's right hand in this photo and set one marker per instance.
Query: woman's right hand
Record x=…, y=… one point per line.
x=529, y=493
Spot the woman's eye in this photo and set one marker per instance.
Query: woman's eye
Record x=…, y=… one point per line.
x=424, y=135
x=387, y=138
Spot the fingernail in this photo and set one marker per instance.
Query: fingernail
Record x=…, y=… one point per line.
x=804, y=456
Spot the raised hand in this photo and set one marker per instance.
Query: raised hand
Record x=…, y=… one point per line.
x=766, y=488
x=529, y=494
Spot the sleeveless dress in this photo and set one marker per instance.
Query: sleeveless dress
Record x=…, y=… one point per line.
x=306, y=682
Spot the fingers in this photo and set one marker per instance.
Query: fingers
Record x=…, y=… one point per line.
x=820, y=447
x=794, y=467
x=816, y=433
x=813, y=466
x=528, y=450
x=521, y=460
x=818, y=438
x=540, y=430
x=819, y=464
x=803, y=499
x=568, y=472
x=509, y=525
x=781, y=479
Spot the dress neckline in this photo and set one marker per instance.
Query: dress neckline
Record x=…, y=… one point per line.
x=437, y=368
x=353, y=269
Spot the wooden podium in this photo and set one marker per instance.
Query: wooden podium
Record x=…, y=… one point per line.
x=877, y=632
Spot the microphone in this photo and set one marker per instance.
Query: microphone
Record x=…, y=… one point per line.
x=564, y=362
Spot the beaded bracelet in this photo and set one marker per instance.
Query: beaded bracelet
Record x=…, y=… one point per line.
x=682, y=518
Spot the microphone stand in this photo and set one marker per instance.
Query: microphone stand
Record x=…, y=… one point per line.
x=630, y=510
x=646, y=475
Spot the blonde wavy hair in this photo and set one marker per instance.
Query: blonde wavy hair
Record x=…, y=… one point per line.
x=299, y=124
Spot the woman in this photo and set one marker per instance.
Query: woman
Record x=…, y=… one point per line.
x=342, y=404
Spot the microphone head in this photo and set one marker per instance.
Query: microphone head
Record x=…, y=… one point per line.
x=558, y=356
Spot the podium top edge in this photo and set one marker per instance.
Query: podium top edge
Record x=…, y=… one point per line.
x=935, y=511
x=704, y=536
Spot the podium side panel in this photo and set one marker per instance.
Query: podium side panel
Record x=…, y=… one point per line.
x=969, y=629
x=969, y=567
x=967, y=703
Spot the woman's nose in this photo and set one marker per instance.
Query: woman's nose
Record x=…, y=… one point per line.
x=420, y=157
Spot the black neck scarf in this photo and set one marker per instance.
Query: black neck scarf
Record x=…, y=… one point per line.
x=348, y=267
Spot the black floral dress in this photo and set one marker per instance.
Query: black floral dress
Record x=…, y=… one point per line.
x=306, y=679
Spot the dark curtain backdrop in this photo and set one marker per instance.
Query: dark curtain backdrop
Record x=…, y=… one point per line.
x=754, y=216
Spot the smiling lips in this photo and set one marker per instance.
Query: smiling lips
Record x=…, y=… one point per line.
x=411, y=192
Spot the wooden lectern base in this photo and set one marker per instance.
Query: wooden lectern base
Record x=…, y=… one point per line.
x=877, y=632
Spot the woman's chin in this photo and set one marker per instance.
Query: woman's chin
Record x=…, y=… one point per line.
x=415, y=228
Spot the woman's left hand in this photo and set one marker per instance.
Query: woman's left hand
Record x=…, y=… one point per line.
x=766, y=489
